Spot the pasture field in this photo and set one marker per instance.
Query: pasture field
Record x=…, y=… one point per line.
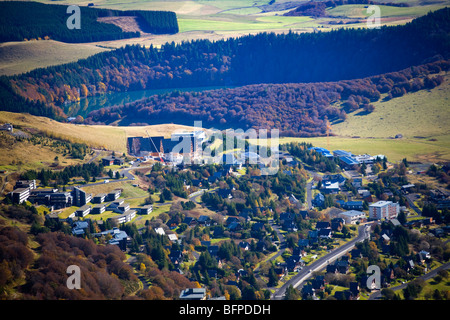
x=420, y=114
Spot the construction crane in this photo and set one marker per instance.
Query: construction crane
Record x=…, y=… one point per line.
x=328, y=133
x=158, y=150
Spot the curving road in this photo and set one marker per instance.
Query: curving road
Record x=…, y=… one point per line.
x=306, y=272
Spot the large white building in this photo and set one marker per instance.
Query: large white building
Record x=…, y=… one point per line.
x=383, y=210
x=352, y=216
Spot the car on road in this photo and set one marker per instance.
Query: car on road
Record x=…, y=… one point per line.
x=106, y=181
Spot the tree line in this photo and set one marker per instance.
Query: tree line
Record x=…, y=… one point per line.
x=33, y=20
x=279, y=59
x=296, y=109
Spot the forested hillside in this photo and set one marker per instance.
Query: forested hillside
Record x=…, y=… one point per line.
x=344, y=54
x=32, y=20
x=296, y=109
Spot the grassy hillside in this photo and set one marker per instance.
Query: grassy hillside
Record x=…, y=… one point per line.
x=109, y=137
x=19, y=57
x=424, y=113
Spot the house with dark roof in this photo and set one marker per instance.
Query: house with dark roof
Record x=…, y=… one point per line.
x=112, y=160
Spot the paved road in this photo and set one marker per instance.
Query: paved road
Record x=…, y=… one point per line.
x=377, y=295
x=410, y=199
x=320, y=263
x=309, y=194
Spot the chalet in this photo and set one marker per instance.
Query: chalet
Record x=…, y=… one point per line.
x=119, y=237
x=318, y=283
x=342, y=266
x=172, y=237
x=258, y=226
x=318, y=200
x=204, y=220
x=176, y=257
x=330, y=187
x=325, y=233
x=294, y=263
x=190, y=221
x=83, y=211
x=289, y=225
x=79, y=228
x=333, y=178
x=98, y=209
x=197, y=183
x=234, y=226
x=308, y=292
x=244, y=245
x=344, y=295
x=356, y=253
x=337, y=224
x=322, y=224
x=225, y=193
x=213, y=250
x=231, y=220
x=303, y=243
x=112, y=160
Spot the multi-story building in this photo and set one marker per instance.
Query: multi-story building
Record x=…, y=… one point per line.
x=383, y=210
x=80, y=197
x=20, y=195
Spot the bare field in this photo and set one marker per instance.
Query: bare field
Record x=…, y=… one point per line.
x=24, y=56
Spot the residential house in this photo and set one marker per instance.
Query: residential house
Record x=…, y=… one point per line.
x=337, y=224
x=308, y=292
x=112, y=160
x=204, y=220
x=325, y=233
x=193, y=294
x=318, y=200
x=323, y=224
x=79, y=228
x=225, y=193
x=244, y=245
x=190, y=221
